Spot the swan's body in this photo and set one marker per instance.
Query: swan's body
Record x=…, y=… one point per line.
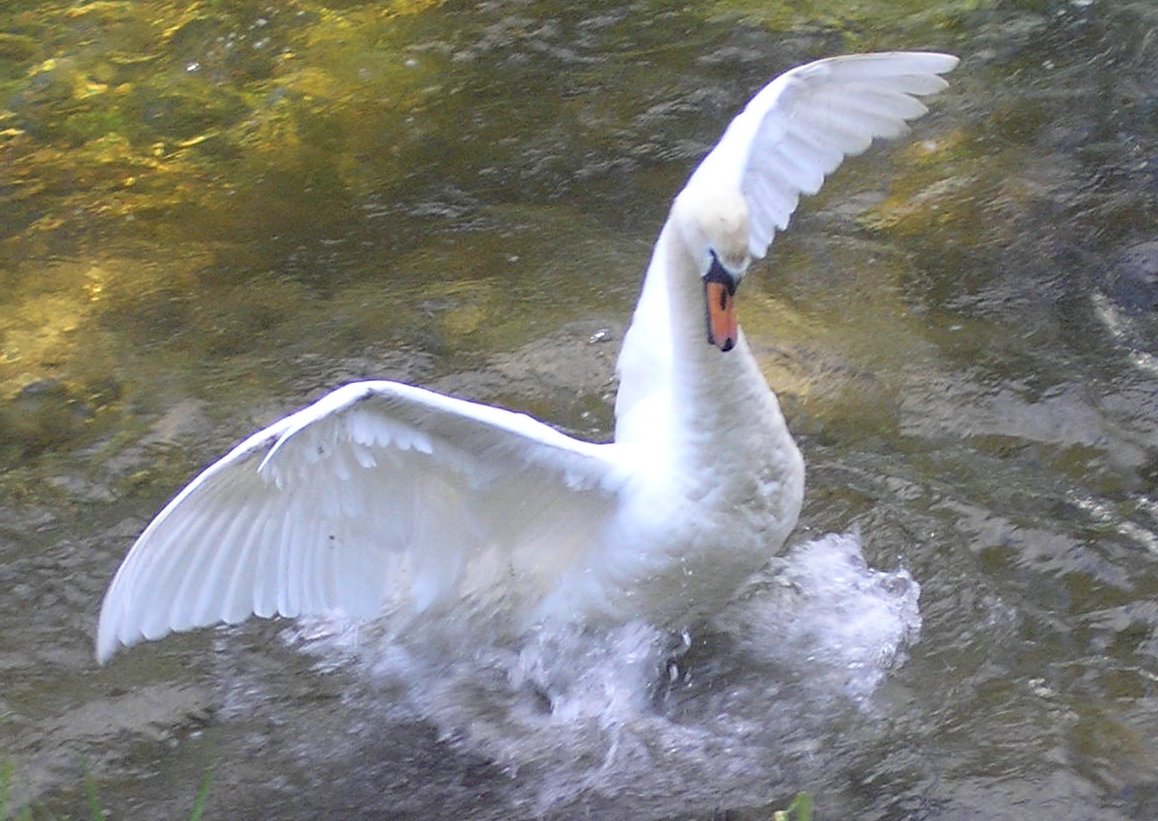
x=382, y=495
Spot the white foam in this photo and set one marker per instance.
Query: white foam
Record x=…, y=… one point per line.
x=824, y=613
x=576, y=713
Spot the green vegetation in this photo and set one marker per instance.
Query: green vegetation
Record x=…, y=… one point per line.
x=799, y=810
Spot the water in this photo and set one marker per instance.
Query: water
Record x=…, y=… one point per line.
x=960, y=327
x=576, y=722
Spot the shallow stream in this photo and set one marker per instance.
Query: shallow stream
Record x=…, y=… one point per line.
x=210, y=214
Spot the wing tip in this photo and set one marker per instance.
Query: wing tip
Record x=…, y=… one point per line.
x=927, y=56
x=887, y=63
x=103, y=651
x=945, y=62
x=108, y=642
x=903, y=77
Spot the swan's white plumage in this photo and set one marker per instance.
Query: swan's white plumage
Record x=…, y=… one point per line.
x=805, y=122
x=382, y=495
x=324, y=511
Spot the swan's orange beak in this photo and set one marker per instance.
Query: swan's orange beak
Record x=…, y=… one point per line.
x=720, y=301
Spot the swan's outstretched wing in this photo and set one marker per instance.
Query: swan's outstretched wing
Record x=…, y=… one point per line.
x=796, y=130
x=803, y=124
x=377, y=491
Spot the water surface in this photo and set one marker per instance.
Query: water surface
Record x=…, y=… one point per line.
x=212, y=215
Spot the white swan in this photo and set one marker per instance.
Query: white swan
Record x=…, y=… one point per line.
x=386, y=495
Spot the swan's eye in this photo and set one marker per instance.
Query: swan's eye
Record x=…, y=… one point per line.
x=718, y=273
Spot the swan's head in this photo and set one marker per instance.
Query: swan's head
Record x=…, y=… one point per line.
x=713, y=224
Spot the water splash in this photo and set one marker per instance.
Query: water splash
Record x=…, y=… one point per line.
x=824, y=613
x=579, y=717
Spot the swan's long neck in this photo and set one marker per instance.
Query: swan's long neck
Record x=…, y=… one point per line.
x=717, y=480
x=677, y=389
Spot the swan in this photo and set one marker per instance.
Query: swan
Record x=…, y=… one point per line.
x=383, y=497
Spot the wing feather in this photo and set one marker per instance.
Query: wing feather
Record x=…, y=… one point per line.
x=803, y=124
x=378, y=491
x=192, y=574
x=233, y=574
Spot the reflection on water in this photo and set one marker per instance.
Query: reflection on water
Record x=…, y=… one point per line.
x=212, y=215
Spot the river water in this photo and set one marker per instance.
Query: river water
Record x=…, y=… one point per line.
x=212, y=215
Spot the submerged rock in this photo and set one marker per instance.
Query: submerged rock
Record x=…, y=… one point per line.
x=1126, y=302
x=42, y=414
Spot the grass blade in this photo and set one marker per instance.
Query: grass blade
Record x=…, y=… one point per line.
x=202, y=796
